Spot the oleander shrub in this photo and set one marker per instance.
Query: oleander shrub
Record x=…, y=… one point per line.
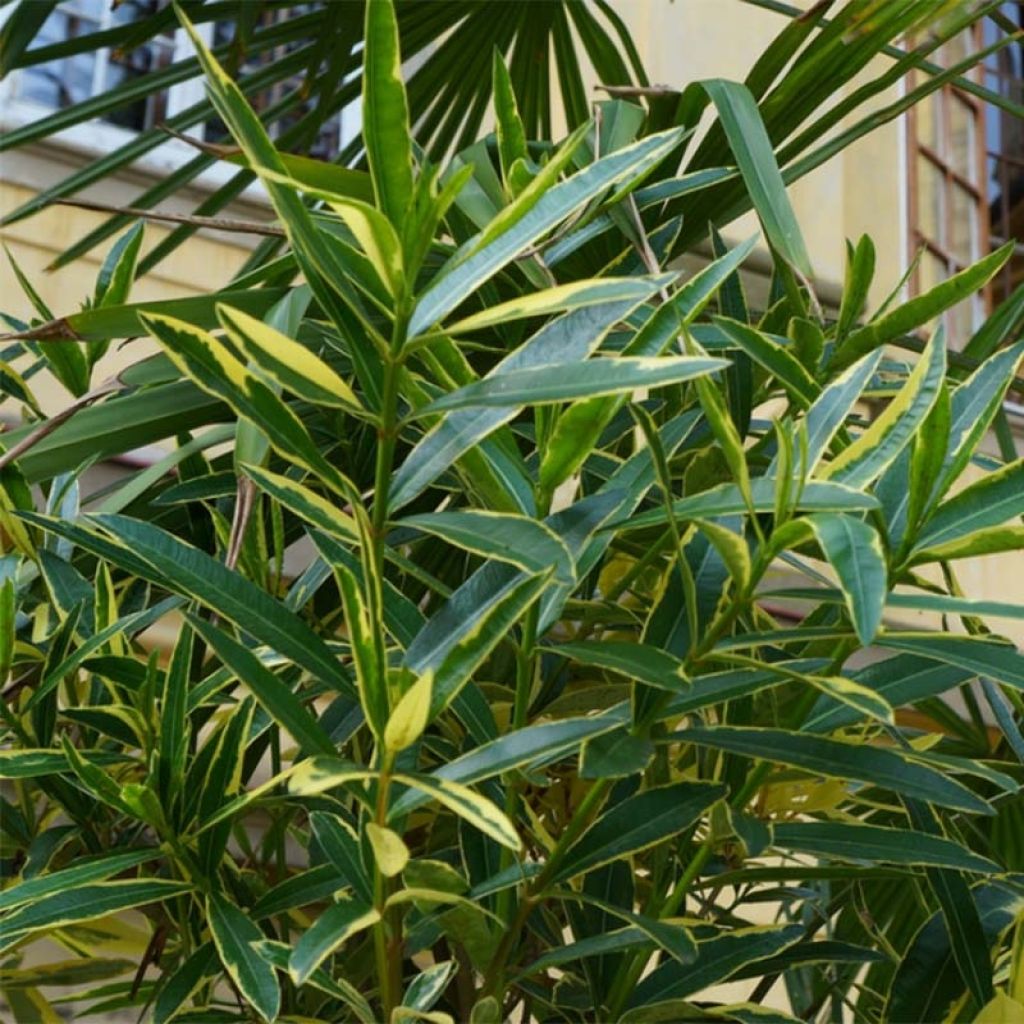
x=533, y=599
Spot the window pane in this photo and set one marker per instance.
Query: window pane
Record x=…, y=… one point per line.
x=963, y=155
x=130, y=67
x=931, y=188
x=59, y=83
x=926, y=115
x=964, y=242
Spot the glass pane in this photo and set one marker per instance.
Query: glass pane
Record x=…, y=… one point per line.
x=92, y=9
x=931, y=189
x=964, y=242
x=961, y=323
x=926, y=116
x=963, y=154
x=957, y=49
x=59, y=83
x=130, y=67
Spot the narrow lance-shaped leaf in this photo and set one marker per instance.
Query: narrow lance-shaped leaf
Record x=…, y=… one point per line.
x=552, y=207
x=889, y=433
x=273, y=696
x=373, y=692
x=386, y=113
x=643, y=662
x=235, y=937
x=332, y=928
x=755, y=157
x=638, y=823
x=839, y=759
x=854, y=550
x=466, y=803
x=287, y=362
x=187, y=570
x=522, y=542
x=564, y=382
x=853, y=842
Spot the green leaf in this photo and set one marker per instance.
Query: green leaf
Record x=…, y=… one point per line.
x=562, y=382
x=92, y=869
x=755, y=157
x=386, y=113
x=998, y=661
x=987, y=503
x=854, y=842
x=536, y=744
x=717, y=959
x=85, y=903
x=525, y=543
x=235, y=937
x=509, y=125
x=639, y=822
x=727, y=500
x=193, y=573
x=854, y=550
x=287, y=362
x=832, y=758
x=974, y=404
x=370, y=673
x=471, y=623
x=208, y=362
x=615, y=755
x=860, y=269
x=642, y=662
x=563, y=298
x=572, y=336
x=539, y=215
x=833, y=406
x=927, y=980
x=102, y=323
x=340, y=844
x=778, y=361
x=117, y=275
x=920, y=310
x=463, y=801
x=283, y=706
x=890, y=432
x=305, y=503
x=332, y=928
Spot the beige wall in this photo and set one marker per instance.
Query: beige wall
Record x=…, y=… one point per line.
x=859, y=191
x=206, y=261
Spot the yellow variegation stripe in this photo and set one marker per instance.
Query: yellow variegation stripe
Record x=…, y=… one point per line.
x=588, y=292
x=477, y=810
x=305, y=503
x=369, y=670
x=879, y=445
x=333, y=927
x=377, y=239
x=733, y=549
x=289, y=363
x=207, y=361
x=318, y=774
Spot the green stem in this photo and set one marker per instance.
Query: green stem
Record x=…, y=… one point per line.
x=387, y=932
x=576, y=825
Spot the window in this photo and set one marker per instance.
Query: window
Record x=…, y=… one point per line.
x=966, y=173
x=1004, y=141
x=62, y=83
